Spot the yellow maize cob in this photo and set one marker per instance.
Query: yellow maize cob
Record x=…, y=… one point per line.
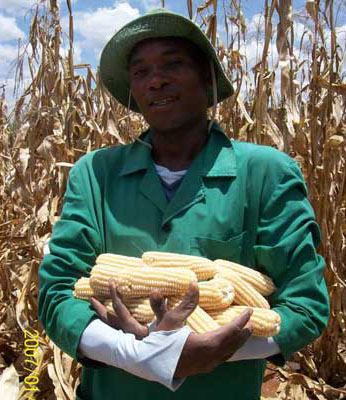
x=216, y=294
x=139, y=282
x=202, y=267
x=265, y=322
x=139, y=308
x=261, y=282
x=203, y=270
x=82, y=289
x=119, y=260
x=245, y=294
x=150, y=257
x=199, y=321
x=108, y=270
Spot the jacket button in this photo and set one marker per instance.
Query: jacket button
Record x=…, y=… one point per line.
x=167, y=227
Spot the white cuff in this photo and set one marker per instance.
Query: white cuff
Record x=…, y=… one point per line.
x=152, y=325
x=256, y=348
x=144, y=358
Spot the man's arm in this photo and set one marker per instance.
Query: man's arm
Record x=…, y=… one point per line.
x=73, y=247
x=153, y=358
x=287, y=237
x=256, y=348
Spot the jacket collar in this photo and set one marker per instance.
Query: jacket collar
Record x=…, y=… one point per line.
x=217, y=158
x=138, y=156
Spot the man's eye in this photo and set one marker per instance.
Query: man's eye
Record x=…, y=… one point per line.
x=174, y=63
x=140, y=72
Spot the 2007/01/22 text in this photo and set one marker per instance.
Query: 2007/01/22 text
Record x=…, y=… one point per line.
x=31, y=354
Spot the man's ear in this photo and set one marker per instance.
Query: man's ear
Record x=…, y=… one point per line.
x=207, y=75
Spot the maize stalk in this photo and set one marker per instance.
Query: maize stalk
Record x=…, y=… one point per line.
x=265, y=322
x=245, y=294
x=261, y=282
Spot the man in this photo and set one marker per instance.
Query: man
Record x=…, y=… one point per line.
x=182, y=187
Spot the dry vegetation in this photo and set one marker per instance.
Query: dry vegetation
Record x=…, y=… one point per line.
x=64, y=113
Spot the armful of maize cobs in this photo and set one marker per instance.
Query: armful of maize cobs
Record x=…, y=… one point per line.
x=225, y=288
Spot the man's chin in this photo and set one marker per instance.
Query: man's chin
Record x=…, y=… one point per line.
x=174, y=121
x=164, y=124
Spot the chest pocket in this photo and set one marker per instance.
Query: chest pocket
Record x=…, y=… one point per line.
x=231, y=249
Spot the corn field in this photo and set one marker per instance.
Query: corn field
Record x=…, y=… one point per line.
x=64, y=113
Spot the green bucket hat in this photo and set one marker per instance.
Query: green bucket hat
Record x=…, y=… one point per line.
x=155, y=24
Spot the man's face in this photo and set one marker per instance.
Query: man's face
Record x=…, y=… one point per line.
x=167, y=83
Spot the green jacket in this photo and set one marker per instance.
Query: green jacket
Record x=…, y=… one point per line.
x=238, y=201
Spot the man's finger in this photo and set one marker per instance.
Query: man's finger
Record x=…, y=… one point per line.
x=118, y=306
x=243, y=319
x=235, y=334
x=99, y=308
x=158, y=305
x=189, y=301
x=239, y=327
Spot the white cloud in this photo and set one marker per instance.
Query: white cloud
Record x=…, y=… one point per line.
x=77, y=52
x=9, y=29
x=149, y=4
x=8, y=63
x=10, y=96
x=253, y=51
x=9, y=88
x=255, y=26
x=8, y=55
x=98, y=26
x=15, y=7
x=301, y=29
x=341, y=36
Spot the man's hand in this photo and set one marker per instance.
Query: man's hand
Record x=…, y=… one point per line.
x=168, y=320
x=122, y=319
x=204, y=352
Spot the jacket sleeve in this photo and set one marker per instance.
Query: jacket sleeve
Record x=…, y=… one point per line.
x=286, y=250
x=74, y=246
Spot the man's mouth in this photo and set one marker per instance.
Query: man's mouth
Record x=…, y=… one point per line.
x=162, y=102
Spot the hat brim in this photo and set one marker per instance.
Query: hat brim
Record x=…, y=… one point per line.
x=156, y=24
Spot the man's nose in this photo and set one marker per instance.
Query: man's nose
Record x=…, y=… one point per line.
x=157, y=78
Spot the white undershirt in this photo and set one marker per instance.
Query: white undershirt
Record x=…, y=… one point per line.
x=169, y=176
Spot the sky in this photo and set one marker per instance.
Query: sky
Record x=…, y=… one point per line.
x=95, y=21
